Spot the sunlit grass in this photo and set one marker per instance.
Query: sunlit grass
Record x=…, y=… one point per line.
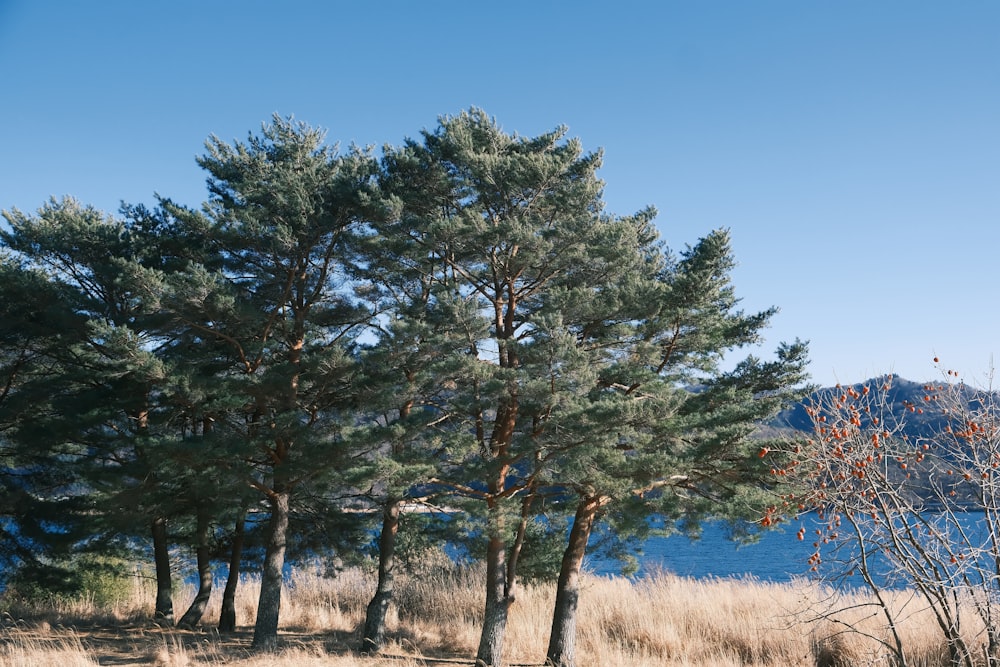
x=660, y=620
x=19, y=648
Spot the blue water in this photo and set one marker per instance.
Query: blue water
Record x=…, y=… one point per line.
x=778, y=556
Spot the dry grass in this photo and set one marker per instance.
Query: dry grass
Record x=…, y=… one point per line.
x=662, y=621
x=25, y=649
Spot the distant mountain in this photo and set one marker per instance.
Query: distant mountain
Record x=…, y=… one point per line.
x=911, y=410
x=919, y=406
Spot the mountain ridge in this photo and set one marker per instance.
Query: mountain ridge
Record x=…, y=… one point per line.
x=915, y=407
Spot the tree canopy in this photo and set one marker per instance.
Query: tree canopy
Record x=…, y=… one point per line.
x=333, y=337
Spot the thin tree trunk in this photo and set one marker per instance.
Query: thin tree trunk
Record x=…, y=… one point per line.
x=193, y=615
x=498, y=603
x=379, y=605
x=164, y=611
x=227, y=619
x=992, y=647
x=499, y=586
x=501, y=590
x=958, y=652
x=518, y=545
x=562, y=640
x=265, y=635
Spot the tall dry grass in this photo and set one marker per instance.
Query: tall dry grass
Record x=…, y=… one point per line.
x=25, y=649
x=661, y=620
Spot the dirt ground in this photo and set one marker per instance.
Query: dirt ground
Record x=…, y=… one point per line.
x=145, y=645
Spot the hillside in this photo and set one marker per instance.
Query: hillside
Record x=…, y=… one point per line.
x=926, y=419
x=930, y=425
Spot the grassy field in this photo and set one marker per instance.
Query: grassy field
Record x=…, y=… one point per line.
x=659, y=621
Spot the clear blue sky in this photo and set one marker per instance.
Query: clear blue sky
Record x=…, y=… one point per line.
x=853, y=148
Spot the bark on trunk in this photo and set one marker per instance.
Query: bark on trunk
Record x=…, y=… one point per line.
x=562, y=640
x=490, y=653
x=992, y=647
x=500, y=581
x=193, y=615
x=227, y=619
x=164, y=611
x=265, y=635
x=958, y=653
x=379, y=605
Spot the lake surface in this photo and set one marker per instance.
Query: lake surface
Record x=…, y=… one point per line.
x=778, y=556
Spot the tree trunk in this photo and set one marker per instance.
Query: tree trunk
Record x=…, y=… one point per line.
x=958, y=653
x=265, y=635
x=164, y=612
x=193, y=615
x=227, y=619
x=992, y=647
x=562, y=640
x=499, y=586
x=379, y=605
x=498, y=604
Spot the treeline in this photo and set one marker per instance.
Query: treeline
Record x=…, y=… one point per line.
x=334, y=337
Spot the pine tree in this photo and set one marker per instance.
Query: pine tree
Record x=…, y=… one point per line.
x=502, y=223
x=408, y=375
x=276, y=312
x=103, y=370
x=33, y=497
x=594, y=370
x=665, y=430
